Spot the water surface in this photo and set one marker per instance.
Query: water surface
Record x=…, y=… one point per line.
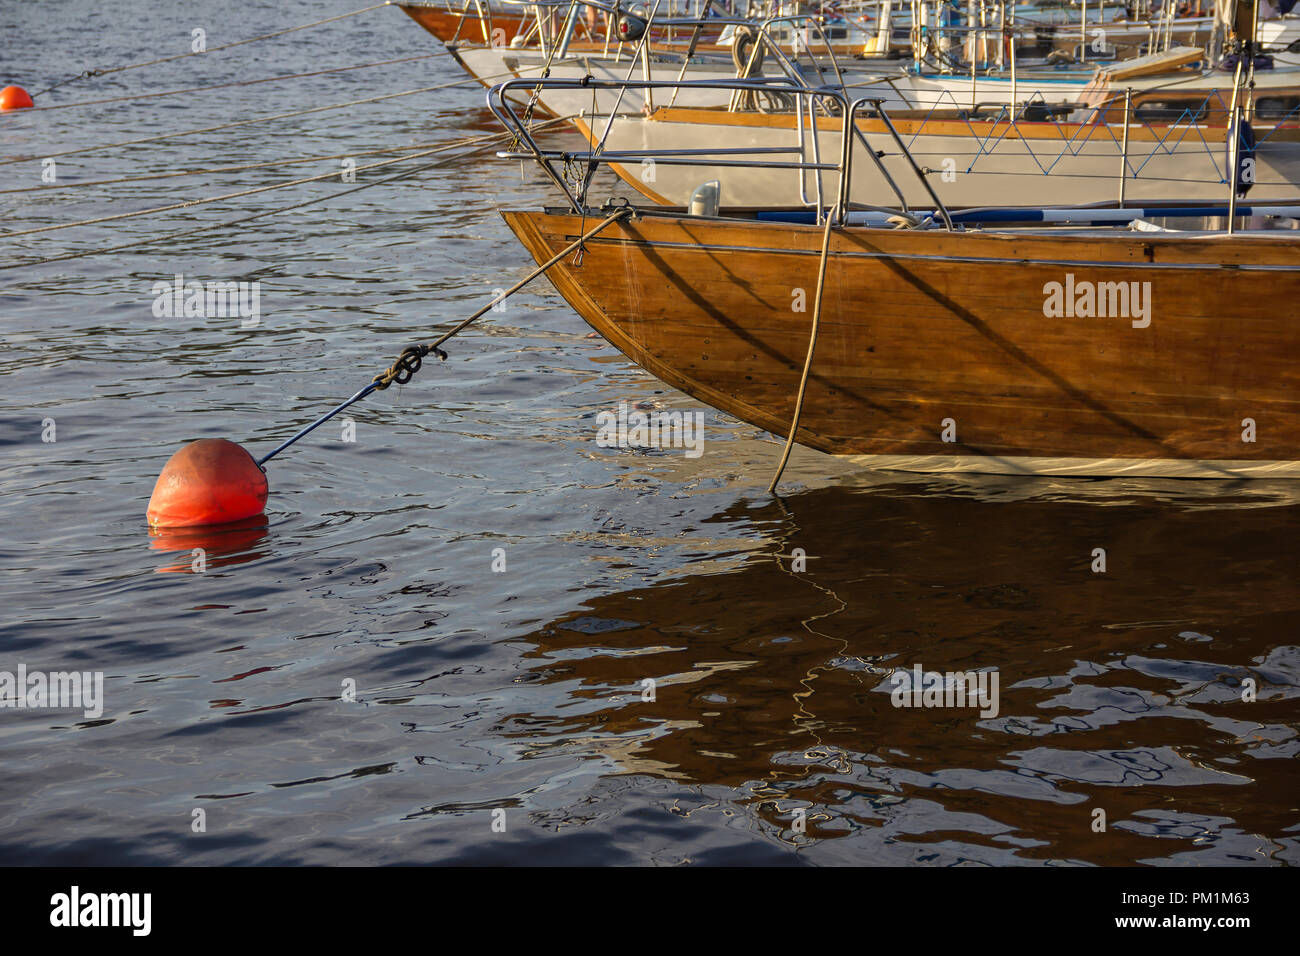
x=522, y=690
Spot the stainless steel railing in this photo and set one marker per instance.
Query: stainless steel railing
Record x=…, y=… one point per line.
x=555, y=162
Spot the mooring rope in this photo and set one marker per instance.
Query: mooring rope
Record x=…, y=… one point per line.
x=225, y=46
x=186, y=233
x=812, y=346
x=255, y=119
x=221, y=86
x=211, y=199
x=412, y=357
x=239, y=168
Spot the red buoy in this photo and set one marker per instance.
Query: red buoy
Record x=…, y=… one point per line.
x=210, y=481
x=15, y=98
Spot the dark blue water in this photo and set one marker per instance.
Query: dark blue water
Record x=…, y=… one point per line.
x=478, y=690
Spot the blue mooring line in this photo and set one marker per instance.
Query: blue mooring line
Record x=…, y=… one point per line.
x=318, y=422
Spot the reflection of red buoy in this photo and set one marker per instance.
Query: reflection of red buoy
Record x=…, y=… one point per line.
x=210, y=481
x=15, y=98
x=221, y=544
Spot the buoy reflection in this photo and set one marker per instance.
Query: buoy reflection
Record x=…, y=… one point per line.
x=211, y=546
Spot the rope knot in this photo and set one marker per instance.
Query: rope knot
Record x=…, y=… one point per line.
x=407, y=364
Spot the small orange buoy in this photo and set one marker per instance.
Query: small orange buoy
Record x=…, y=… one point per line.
x=210, y=481
x=15, y=98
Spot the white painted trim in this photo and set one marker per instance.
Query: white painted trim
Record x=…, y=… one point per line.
x=1081, y=467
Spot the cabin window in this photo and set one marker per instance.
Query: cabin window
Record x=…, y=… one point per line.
x=1277, y=107
x=1171, y=111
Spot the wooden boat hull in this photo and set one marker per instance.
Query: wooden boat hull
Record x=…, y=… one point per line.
x=447, y=25
x=927, y=336
x=497, y=27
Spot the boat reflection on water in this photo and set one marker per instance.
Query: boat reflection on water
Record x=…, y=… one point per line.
x=211, y=546
x=1120, y=689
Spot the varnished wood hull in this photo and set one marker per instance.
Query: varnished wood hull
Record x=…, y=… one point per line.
x=497, y=27
x=448, y=26
x=922, y=330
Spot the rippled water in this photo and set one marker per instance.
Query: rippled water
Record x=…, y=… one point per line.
x=521, y=690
